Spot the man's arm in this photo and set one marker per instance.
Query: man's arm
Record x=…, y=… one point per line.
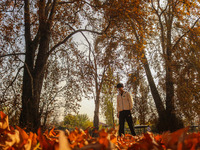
x=130, y=100
x=117, y=107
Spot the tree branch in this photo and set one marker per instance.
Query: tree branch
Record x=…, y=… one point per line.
x=27, y=22
x=90, y=49
x=13, y=54
x=52, y=13
x=70, y=35
x=12, y=81
x=185, y=34
x=69, y=2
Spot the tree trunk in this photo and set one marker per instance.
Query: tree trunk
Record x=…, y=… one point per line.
x=96, y=113
x=98, y=87
x=32, y=86
x=27, y=89
x=154, y=91
x=33, y=74
x=174, y=122
x=162, y=124
x=113, y=117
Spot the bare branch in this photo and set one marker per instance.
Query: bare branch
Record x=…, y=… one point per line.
x=90, y=49
x=85, y=2
x=52, y=13
x=47, y=7
x=13, y=54
x=70, y=35
x=103, y=77
x=12, y=81
x=62, y=2
x=177, y=42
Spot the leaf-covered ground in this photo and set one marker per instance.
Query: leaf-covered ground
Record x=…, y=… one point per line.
x=17, y=139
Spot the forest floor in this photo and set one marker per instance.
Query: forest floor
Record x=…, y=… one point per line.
x=17, y=139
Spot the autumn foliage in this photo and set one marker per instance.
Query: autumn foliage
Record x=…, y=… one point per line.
x=17, y=139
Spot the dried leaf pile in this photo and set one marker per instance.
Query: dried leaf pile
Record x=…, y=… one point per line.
x=17, y=139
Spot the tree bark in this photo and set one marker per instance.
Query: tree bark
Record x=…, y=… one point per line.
x=96, y=111
x=32, y=84
x=174, y=122
x=162, y=117
x=33, y=73
x=27, y=89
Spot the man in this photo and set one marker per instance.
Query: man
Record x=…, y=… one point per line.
x=124, y=107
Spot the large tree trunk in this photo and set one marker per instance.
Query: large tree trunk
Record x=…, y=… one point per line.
x=27, y=90
x=154, y=91
x=32, y=86
x=162, y=124
x=33, y=72
x=174, y=122
x=167, y=119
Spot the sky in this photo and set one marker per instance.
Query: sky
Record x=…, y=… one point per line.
x=87, y=107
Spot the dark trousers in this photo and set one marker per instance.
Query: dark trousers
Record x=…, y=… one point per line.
x=125, y=115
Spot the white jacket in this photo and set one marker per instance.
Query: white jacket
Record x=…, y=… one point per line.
x=124, y=102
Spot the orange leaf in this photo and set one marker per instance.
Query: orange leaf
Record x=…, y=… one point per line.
x=4, y=124
x=45, y=144
x=2, y=115
x=171, y=139
x=103, y=138
x=23, y=134
x=51, y=132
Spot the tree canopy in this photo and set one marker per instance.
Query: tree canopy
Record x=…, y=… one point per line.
x=55, y=52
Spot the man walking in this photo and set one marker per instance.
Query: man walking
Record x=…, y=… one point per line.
x=124, y=107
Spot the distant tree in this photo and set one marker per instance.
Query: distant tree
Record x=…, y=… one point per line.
x=80, y=121
x=102, y=57
x=108, y=103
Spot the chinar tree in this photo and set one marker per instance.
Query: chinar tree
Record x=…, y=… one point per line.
x=47, y=26
x=175, y=20
x=156, y=25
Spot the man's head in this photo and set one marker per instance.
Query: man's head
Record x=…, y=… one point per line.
x=120, y=87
